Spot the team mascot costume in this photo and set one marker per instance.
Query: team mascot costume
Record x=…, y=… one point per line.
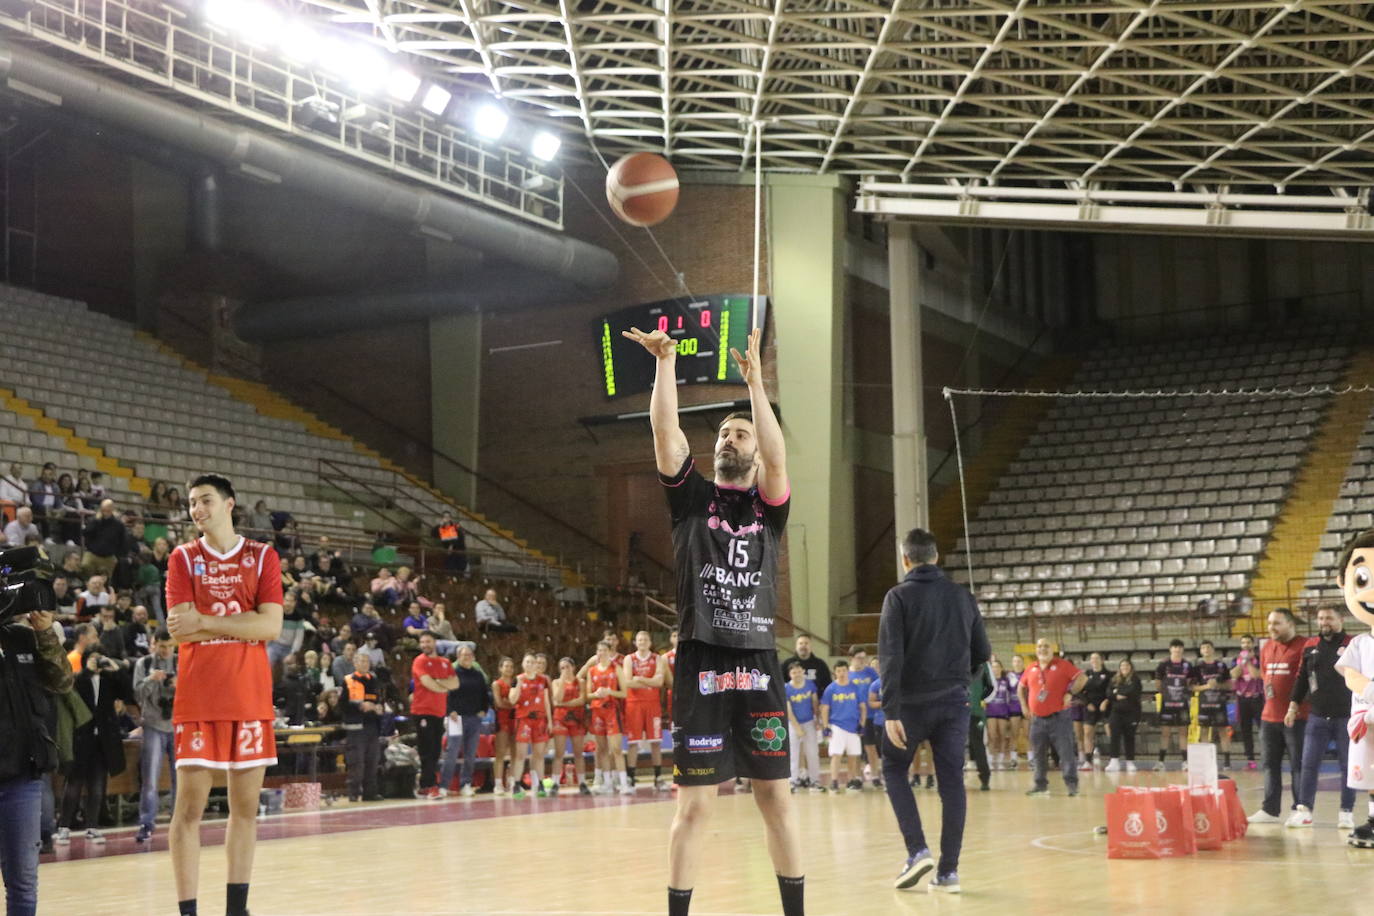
x=1355, y=576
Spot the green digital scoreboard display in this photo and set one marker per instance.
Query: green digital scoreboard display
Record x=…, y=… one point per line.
x=705, y=329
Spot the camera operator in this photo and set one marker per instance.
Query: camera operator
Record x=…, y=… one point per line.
x=97, y=746
x=155, y=687
x=32, y=667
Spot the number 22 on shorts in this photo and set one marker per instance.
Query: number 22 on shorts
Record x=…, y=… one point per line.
x=250, y=738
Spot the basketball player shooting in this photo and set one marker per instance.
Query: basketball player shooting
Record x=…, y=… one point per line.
x=729, y=708
x=225, y=596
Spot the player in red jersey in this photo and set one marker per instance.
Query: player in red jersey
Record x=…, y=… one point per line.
x=505, y=725
x=224, y=595
x=569, y=726
x=605, y=688
x=643, y=707
x=533, y=712
x=669, y=659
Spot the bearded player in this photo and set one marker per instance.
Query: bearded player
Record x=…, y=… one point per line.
x=729, y=709
x=224, y=593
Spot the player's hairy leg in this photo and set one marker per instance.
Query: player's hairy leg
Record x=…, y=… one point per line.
x=240, y=839
x=685, y=839
x=193, y=790
x=774, y=799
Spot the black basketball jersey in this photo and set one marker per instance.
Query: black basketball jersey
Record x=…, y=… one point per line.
x=1206, y=671
x=1095, y=688
x=725, y=544
x=1174, y=678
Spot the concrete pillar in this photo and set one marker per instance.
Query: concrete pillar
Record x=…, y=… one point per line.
x=908, y=395
x=806, y=234
x=455, y=367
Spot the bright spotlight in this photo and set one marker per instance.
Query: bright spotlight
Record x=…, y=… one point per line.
x=490, y=120
x=336, y=56
x=545, y=145
x=300, y=43
x=402, y=85
x=224, y=13
x=436, y=100
x=369, y=72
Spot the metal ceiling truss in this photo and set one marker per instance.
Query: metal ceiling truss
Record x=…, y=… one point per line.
x=1163, y=94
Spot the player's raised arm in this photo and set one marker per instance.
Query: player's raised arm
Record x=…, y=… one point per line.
x=670, y=445
x=772, y=478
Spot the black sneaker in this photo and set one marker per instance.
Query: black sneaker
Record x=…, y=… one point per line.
x=145, y=833
x=983, y=786
x=877, y=783
x=46, y=847
x=856, y=784
x=1363, y=835
x=1073, y=791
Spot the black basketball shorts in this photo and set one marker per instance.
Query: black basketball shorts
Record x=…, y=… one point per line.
x=1212, y=716
x=729, y=715
x=1174, y=716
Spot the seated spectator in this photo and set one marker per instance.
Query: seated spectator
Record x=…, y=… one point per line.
x=446, y=642
x=95, y=596
x=294, y=697
x=343, y=663
x=70, y=511
x=111, y=637
x=44, y=497
x=367, y=620
x=258, y=523
x=453, y=540
x=150, y=579
x=175, y=506
x=310, y=667
x=326, y=666
x=124, y=606
x=286, y=536
x=66, y=600
x=408, y=587
x=415, y=622
x=342, y=638
x=292, y=635
x=373, y=651
x=106, y=540
x=22, y=528
x=90, y=487
x=384, y=588
x=154, y=512
x=71, y=571
x=14, y=491
x=327, y=709
x=138, y=637
x=491, y=616
x=97, y=746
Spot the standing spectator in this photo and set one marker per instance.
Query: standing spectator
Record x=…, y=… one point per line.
x=805, y=737
x=1248, y=683
x=491, y=616
x=930, y=642
x=453, y=541
x=44, y=497
x=154, y=691
x=151, y=578
x=467, y=704
x=433, y=678
x=815, y=668
x=361, y=703
x=1045, y=693
x=106, y=539
x=14, y=491
x=111, y=638
x=294, y=695
x=1320, y=683
x=1280, y=661
x=842, y=714
x=69, y=512
x=138, y=640
x=22, y=528
x=1123, y=716
x=97, y=746
x=86, y=638
x=979, y=689
x=292, y=635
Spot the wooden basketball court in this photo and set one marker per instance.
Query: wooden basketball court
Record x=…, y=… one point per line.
x=570, y=855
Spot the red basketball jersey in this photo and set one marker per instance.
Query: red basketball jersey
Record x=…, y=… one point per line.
x=531, y=702
x=645, y=668
x=571, y=691
x=223, y=678
x=603, y=677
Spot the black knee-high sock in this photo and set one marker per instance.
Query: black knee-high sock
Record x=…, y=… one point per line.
x=793, y=895
x=1163, y=754
x=236, y=899
x=679, y=901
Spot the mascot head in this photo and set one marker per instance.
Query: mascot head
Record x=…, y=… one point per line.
x=1355, y=576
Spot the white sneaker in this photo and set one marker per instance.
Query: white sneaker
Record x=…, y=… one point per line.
x=1130, y=766
x=1113, y=766
x=627, y=789
x=62, y=837
x=467, y=791
x=443, y=793
x=94, y=836
x=1345, y=820
x=1262, y=817
x=1301, y=817
x=1085, y=765
x=498, y=789
x=1160, y=767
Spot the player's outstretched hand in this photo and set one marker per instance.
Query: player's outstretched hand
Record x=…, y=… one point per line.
x=751, y=363
x=656, y=342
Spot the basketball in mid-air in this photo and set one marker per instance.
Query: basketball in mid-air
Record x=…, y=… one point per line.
x=642, y=188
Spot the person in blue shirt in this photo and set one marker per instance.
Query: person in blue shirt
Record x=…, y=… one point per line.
x=842, y=713
x=876, y=718
x=805, y=734
x=862, y=674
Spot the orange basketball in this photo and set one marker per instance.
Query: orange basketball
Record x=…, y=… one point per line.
x=642, y=189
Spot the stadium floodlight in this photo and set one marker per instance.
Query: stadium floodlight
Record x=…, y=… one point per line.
x=544, y=146
x=369, y=71
x=402, y=85
x=256, y=23
x=490, y=120
x=436, y=100
x=335, y=56
x=223, y=13
x=300, y=43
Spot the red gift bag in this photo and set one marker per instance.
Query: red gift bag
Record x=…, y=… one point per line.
x=1209, y=818
x=1234, y=809
x=1131, y=826
x=1174, y=817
